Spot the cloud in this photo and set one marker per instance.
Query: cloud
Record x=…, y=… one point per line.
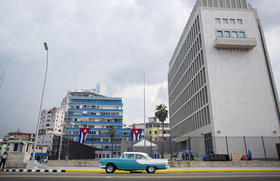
x=268, y=11
x=108, y=41
x=111, y=41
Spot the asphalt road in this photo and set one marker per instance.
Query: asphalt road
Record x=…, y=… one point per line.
x=136, y=176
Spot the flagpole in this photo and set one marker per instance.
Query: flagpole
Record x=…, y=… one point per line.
x=144, y=116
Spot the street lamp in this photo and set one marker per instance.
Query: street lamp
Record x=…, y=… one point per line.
x=42, y=97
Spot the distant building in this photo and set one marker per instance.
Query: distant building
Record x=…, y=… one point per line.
x=153, y=131
x=220, y=80
x=89, y=109
x=20, y=136
x=51, y=124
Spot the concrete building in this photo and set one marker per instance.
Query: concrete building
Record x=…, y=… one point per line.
x=153, y=131
x=89, y=109
x=19, y=136
x=19, y=153
x=51, y=124
x=220, y=80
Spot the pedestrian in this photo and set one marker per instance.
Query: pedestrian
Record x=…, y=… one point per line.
x=175, y=155
x=249, y=155
x=183, y=155
x=187, y=154
x=191, y=154
x=3, y=160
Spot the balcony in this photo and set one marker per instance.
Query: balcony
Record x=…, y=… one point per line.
x=239, y=43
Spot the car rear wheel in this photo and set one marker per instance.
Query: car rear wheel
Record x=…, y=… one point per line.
x=151, y=169
x=110, y=168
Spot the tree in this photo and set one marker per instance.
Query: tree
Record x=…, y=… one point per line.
x=161, y=113
x=112, y=133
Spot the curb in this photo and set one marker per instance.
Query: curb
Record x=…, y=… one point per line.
x=134, y=171
x=34, y=170
x=172, y=171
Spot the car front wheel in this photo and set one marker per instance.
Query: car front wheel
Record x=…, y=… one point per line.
x=151, y=169
x=110, y=168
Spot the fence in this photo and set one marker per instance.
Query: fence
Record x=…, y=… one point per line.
x=262, y=148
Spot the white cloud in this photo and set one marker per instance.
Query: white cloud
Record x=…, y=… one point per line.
x=111, y=41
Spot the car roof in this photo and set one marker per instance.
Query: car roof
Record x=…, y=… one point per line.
x=140, y=153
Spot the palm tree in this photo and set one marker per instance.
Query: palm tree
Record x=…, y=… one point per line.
x=161, y=113
x=112, y=133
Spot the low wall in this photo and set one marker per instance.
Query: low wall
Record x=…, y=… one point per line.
x=183, y=164
x=73, y=163
x=225, y=164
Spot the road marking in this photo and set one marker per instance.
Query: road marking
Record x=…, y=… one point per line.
x=174, y=171
x=140, y=176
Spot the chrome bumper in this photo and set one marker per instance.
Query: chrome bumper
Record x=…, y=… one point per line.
x=102, y=166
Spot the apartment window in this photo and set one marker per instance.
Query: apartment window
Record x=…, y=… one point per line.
x=225, y=20
x=234, y=34
x=227, y=34
x=231, y=21
x=239, y=21
x=155, y=132
x=218, y=20
x=241, y=34
x=219, y=33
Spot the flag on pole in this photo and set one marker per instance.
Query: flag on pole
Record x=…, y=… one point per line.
x=136, y=134
x=83, y=134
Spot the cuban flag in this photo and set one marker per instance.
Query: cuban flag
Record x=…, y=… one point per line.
x=83, y=134
x=136, y=134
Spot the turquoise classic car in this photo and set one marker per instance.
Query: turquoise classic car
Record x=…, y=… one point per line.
x=133, y=161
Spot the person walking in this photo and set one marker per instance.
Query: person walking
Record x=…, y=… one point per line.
x=3, y=160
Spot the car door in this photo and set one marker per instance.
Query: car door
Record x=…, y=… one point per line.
x=129, y=163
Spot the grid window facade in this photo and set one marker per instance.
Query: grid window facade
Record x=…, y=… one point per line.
x=188, y=99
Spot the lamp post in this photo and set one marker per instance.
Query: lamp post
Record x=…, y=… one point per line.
x=42, y=97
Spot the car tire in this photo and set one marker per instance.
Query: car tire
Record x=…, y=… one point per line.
x=110, y=168
x=151, y=169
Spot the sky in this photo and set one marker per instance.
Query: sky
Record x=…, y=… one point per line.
x=110, y=41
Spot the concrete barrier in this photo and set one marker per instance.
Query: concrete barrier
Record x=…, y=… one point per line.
x=183, y=164
x=73, y=163
x=253, y=163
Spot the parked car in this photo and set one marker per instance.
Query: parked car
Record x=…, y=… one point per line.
x=133, y=161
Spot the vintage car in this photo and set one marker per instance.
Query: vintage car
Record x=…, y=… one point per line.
x=133, y=161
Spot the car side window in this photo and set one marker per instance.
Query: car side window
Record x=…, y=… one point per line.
x=140, y=157
x=130, y=156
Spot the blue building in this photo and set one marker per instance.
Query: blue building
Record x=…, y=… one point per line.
x=89, y=109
